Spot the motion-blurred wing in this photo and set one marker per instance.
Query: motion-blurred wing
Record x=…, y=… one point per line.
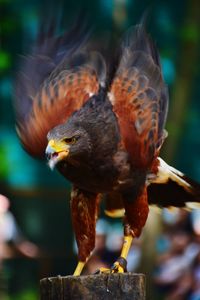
x=55, y=82
x=139, y=97
x=170, y=187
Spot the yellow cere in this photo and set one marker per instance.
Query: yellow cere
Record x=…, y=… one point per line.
x=58, y=146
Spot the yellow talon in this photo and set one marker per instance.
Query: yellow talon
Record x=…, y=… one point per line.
x=120, y=265
x=117, y=268
x=103, y=270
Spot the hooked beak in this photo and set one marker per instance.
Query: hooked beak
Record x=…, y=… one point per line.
x=55, y=152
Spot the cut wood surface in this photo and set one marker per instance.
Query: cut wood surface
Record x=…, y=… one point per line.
x=127, y=286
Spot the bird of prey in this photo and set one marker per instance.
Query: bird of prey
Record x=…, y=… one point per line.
x=101, y=130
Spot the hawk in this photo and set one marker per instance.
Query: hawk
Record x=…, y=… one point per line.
x=101, y=130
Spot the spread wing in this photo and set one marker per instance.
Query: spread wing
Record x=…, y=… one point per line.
x=55, y=81
x=139, y=97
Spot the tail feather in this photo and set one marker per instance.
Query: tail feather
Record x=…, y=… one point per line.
x=172, y=188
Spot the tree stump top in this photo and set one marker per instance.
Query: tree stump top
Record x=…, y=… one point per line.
x=126, y=286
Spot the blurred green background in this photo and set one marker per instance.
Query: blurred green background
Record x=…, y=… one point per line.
x=40, y=198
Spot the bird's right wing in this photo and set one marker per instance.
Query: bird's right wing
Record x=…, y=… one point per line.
x=55, y=81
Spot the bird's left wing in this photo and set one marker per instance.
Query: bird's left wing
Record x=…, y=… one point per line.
x=139, y=97
x=55, y=82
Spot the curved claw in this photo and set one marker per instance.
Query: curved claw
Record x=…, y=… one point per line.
x=102, y=271
x=120, y=266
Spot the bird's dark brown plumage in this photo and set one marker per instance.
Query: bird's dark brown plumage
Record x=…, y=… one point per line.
x=105, y=138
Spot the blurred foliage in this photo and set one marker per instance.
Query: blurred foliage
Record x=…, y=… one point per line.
x=5, y=61
x=39, y=197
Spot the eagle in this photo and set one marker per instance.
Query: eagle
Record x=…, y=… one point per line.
x=101, y=130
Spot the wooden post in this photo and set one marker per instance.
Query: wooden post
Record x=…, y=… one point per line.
x=127, y=286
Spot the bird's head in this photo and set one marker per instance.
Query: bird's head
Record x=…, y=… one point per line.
x=67, y=142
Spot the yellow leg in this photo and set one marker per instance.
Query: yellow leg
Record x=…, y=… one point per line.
x=126, y=246
x=124, y=253
x=118, y=265
x=79, y=268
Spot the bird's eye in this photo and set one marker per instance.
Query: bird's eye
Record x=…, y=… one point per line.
x=70, y=140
